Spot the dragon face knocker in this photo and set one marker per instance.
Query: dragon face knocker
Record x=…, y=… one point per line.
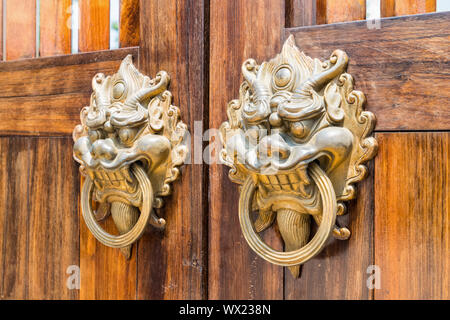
x=129, y=145
x=296, y=140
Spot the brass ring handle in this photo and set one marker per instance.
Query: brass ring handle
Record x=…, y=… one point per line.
x=308, y=251
x=136, y=232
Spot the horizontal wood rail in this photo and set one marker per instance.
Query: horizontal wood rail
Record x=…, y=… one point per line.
x=44, y=96
x=400, y=63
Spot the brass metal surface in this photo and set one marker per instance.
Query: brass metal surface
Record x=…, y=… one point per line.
x=296, y=140
x=129, y=144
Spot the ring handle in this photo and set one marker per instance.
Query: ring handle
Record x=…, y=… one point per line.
x=312, y=248
x=136, y=232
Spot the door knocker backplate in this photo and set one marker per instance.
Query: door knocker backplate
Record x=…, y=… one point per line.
x=129, y=144
x=297, y=140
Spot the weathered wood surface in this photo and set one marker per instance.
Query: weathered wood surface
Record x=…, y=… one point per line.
x=20, y=29
x=239, y=30
x=93, y=34
x=39, y=218
x=129, y=23
x=55, y=32
x=391, y=8
x=412, y=215
x=173, y=264
x=331, y=11
x=300, y=13
x=339, y=271
x=56, y=89
x=402, y=66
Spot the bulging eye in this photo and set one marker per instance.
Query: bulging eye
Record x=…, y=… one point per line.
x=127, y=135
x=282, y=77
x=94, y=135
x=118, y=90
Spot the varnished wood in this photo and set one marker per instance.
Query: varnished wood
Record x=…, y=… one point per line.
x=331, y=11
x=39, y=218
x=412, y=215
x=399, y=67
x=173, y=264
x=391, y=8
x=52, y=115
x=339, y=271
x=129, y=23
x=20, y=29
x=105, y=272
x=93, y=34
x=55, y=25
x=58, y=75
x=300, y=13
x=57, y=88
x=239, y=30
x=1, y=30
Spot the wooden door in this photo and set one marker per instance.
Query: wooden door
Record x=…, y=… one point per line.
x=400, y=220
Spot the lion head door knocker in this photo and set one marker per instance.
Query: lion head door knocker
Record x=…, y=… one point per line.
x=296, y=140
x=129, y=145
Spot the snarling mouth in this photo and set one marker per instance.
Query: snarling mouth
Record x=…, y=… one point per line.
x=118, y=179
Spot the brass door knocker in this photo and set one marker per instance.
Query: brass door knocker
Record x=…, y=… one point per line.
x=129, y=144
x=297, y=140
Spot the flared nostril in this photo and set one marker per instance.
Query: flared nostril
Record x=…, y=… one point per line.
x=104, y=150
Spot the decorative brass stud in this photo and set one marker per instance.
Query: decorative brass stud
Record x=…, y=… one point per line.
x=297, y=140
x=129, y=144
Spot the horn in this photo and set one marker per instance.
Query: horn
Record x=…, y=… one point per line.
x=145, y=93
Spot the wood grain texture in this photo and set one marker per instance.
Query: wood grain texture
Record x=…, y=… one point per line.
x=57, y=88
x=173, y=264
x=93, y=34
x=129, y=23
x=54, y=28
x=20, y=29
x=339, y=271
x=239, y=30
x=105, y=272
x=412, y=215
x=401, y=66
x=391, y=8
x=300, y=13
x=331, y=11
x=1, y=30
x=39, y=216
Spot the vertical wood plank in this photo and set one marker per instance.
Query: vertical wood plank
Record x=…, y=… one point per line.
x=38, y=209
x=94, y=25
x=20, y=29
x=412, y=215
x=105, y=274
x=300, y=13
x=129, y=23
x=53, y=236
x=330, y=11
x=16, y=156
x=239, y=30
x=172, y=264
x=339, y=271
x=54, y=25
x=390, y=8
x=1, y=30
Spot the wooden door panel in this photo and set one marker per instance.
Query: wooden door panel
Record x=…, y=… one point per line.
x=339, y=271
x=173, y=264
x=39, y=217
x=412, y=215
x=239, y=30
